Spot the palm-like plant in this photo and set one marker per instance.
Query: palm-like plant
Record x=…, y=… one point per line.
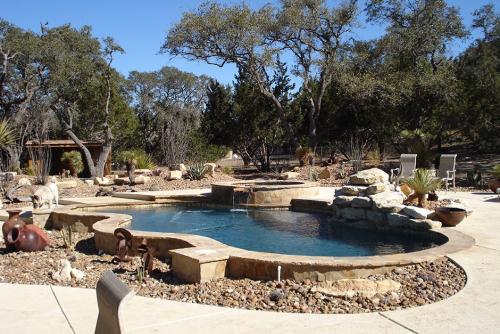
x=422, y=182
x=7, y=136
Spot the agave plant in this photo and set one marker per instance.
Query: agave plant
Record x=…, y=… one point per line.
x=423, y=182
x=195, y=172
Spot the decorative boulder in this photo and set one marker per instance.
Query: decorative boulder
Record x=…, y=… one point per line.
x=387, y=200
x=64, y=272
x=174, y=175
x=142, y=179
x=103, y=181
x=324, y=174
x=352, y=190
x=369, y=176
x=24, y=182
x=376, y=188
x=120, y=181
x=416, y=212
x=360, y=286
x=343, y=201
x=289, y=176
x=361, y=202
x=209, y=169
x=182, y=168
x=67, y=184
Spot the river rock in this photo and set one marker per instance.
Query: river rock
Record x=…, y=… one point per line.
x=416, y=212
x=369, y=176
x=376, y=188
x=363, y=287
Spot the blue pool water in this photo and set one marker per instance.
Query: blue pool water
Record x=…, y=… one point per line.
x=285, y=232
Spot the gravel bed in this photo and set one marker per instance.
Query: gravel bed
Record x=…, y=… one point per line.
x=420, y=284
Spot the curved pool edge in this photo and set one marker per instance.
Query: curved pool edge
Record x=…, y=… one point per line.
x=243, y=263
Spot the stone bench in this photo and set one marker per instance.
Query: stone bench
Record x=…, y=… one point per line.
x=198, y=264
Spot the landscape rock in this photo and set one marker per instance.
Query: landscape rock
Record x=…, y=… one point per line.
x=289, y=176
x=89, y=182
x=375, y=216
x=324, y=174
x=386, y=200
x=343, y=201
x=24, y=182
x=142, y=179
x=67, y=184
x=361, y=202
x=376, y=188
x=64, y=273
x=209, y=169
x=120, y=181
x=416, y=212
x=362, y=287
x=103, y=181
x=182, y=168
x=353, y=213
x=174, y=175
x=352, y=190
x=369, y=176
x=77, y=275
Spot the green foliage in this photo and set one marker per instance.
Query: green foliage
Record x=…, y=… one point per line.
x=195, y=172
x=72, y=160
x=422, y=182
x=7, y=135
x=228, y=170
x=201, y=150
x=28, y=171
x=138, y=157
x=496, y=171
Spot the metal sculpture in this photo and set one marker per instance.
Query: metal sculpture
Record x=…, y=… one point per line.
x=123, y=245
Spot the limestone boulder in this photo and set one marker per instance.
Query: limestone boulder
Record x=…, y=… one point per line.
x=324, y=174
x=24, y=182
x=387, y=200
x=289, y=176
x=142, y=179
x=376, y=216
x=103, y=181
x=63, y=274
x=89, y=182
x=209, y=169
x=402, y=221
x=361, y=202
x=342, y=201
x=67, y=184
x=360, y=286
x=353, y=213
x=353, y=190
x=77, y=274
x=369, y=176
x=416, y=212
x=174, y=175
x=376, y=188
x=120, y=181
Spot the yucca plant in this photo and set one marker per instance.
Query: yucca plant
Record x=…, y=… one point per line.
x=7, y=136
x=141, y=159
x=423, y=182
x=195, y=172
x=72, y=160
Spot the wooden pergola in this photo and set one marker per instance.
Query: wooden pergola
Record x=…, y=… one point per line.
x=59, y=146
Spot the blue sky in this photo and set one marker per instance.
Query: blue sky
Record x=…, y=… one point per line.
x=140, y=27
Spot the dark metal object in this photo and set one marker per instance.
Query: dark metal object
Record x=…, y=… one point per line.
x=123, y=244
x=14, y=221
x=147, y=257
x=450, y=216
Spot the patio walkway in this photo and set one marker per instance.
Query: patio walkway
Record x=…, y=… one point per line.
x=476, y=309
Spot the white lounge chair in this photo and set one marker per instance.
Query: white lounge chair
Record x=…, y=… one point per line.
x=407, y=165
x=446, y=171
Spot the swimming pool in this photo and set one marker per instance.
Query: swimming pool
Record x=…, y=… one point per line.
x=284, y=232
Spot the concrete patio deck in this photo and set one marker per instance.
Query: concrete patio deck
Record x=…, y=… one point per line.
x=475, y=309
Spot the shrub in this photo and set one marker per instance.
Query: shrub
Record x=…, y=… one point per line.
x=141, y=159
x=496, y=171
x=195, y=172
x=29, y=171
x=72, y=160
x=305, y=155
x=422, y=182
x=228, y=170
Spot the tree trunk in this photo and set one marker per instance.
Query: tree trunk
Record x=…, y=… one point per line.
x=422, y=200
x=131, y=172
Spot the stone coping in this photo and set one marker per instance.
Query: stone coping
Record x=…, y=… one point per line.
x=259, y=185
x=251, y=264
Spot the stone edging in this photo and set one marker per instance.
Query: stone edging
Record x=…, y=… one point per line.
x=256, y=265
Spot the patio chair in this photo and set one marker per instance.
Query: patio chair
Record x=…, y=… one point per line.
x=407, y=165
x=446, y=171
